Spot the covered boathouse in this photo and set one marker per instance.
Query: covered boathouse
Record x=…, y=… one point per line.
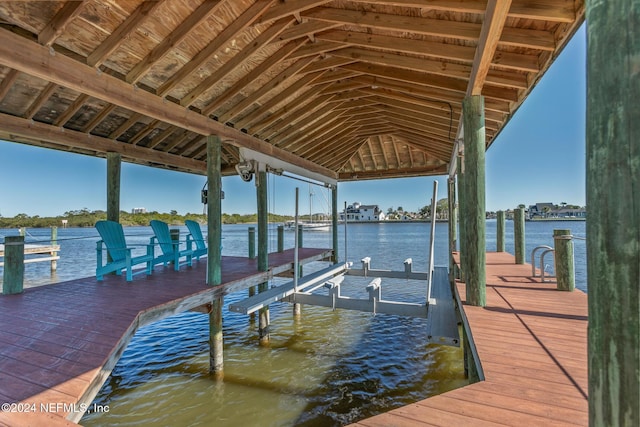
x=337, y=91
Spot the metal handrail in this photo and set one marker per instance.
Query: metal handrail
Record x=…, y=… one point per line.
x=542, y=263
x=533, y=259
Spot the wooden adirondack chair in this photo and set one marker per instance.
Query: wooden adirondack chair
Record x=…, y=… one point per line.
x=113, y=238
x=195, y=236
x=170, y=250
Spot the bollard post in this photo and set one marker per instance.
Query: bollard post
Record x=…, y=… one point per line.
x=252, y=242
x=54, y=242
x=518, y=234
x=564, y=262
x=13, y=274
x=500, y=231
x=281, y=238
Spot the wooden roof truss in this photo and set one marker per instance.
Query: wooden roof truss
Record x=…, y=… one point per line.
x=348, y=89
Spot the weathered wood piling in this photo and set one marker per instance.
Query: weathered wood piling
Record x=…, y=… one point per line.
x=518, y=235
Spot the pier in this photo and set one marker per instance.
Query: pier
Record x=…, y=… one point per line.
x=60, y=342
x=333, y=92
x=529, y=344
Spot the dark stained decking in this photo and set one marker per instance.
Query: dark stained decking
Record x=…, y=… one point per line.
x=532, y=343
x=59, y=342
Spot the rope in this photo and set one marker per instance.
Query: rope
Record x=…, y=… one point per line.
x=569, y=237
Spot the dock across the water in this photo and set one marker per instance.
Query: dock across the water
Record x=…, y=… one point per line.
x=42, y=252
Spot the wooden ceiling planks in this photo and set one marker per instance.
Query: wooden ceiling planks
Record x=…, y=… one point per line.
x=350, y=89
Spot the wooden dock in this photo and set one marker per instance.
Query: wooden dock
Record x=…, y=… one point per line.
x=60, y=342
x=50, y=252
x=531, y=341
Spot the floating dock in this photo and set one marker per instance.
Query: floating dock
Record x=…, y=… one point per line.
x=50, y=253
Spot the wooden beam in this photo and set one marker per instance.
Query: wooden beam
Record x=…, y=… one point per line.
x=95, y=121
x=71, y=110
x=533, y=39
x=31, y=58
x=40, y=100
x=198, y=17
x=251, y=48
x=19, y=129
x=276, y=82
x=392, y=173
x=546, y=10
x=230, y=31
x=57, y=25
x=282, y=9
x=133, y=119
x=492, y=26
x=7, y=83
x=117, y=37
x=279, y=56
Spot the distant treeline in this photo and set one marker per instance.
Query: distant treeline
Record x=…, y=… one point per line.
x=87, y=218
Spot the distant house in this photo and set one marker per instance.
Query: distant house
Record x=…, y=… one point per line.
x=138, y=210
x=358, y=212
x=571, y=213
x=541, y=209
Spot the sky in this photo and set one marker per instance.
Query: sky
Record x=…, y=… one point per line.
x=538, y=157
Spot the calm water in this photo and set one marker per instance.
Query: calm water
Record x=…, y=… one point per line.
x=328, y=368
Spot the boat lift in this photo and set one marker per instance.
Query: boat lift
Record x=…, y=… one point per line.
x=438, y=308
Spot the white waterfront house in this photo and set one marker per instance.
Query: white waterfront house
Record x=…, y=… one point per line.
x=358, y=212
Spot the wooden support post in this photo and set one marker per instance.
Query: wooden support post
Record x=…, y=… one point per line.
x=252, y=242
x=216, y=339
x=214, y=211
x=263, y=257
x=613, y=223
x=114, y=162
x=281, y=238
x=462, y=221
x=13, y=272
x=453, y=228
x=214, y=258
x=54, y=242
x=500, y=223
x=299, y=235
x=334, y=222
x=474, y=163
x=518, y=235
x=563, y=256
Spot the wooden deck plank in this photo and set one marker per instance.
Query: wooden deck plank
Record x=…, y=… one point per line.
x=532, y=344
x=66, y=337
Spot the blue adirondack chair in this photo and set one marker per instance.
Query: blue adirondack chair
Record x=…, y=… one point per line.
x=113, y=238
x=170, y=250
x=195, y=236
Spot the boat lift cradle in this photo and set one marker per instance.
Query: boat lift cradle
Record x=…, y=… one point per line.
x=438, y=309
